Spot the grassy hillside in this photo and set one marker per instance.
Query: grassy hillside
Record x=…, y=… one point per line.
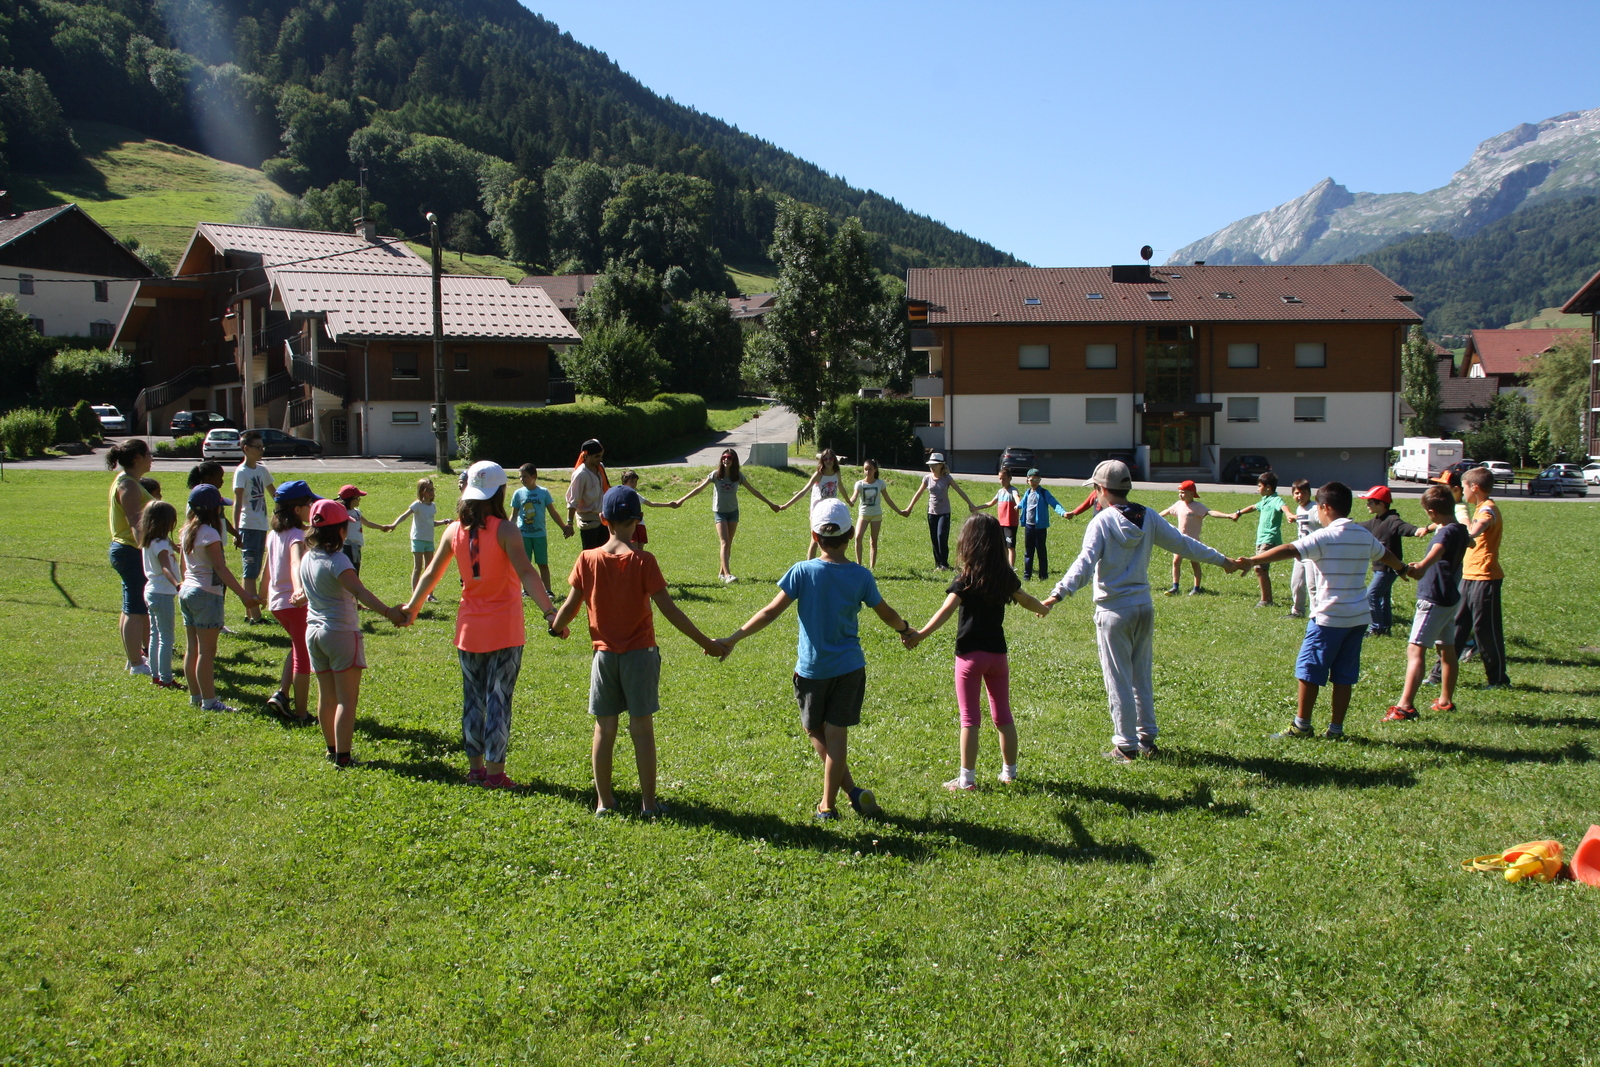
x=1551, y=319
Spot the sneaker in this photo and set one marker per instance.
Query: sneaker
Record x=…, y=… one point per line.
x=140, y=668
x=1148, y=749
x=168, y=684
x=1196, y=591
x=961, y=785
x=1441, y=705
x=1263, y=603
x=604, y=813
x=217, y=705
x=1294, y=730
x=1398, y=714
x=1120, y=755
x=432, y=599
x=1005, y=777
x=1333, y=733
x=1295, y=615
x=826, y=814
x=1496, y=685
x=500, y=781
x=477, y=775
x=657, y=812
x=864, y=802
x=1172, y=590
x=732, y=578
x=278, y=704
x=346, y=761
x=1467, y=654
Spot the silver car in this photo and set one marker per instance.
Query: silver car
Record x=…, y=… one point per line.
x=221, y=445
x=111, y=420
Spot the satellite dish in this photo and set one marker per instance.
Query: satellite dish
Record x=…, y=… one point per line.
x=1146, y=252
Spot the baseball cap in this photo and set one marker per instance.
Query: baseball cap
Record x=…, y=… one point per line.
x=349, y=491
x=1112, y=474
x=483, y=479
x=328, y=513
x=207, y=496
x=1377, y=492
x=295, y=490
x=830, y=517
x=937, y=457
x=1033, y=472
x=620, y=504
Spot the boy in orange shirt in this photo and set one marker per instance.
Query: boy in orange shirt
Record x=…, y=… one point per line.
x=1481, y=576
x=618, y=581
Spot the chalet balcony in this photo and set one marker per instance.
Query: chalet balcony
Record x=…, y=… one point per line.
x=927, y=386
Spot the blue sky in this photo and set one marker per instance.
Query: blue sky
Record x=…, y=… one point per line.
x=1070, y=133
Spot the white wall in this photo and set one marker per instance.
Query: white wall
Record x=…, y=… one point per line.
x=389, y=438
x=68, y=307
x=1354, y=420
x=974, y=421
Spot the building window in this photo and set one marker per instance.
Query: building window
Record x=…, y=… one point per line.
x=1100, y=357
x=1244, y=355
x=101, y=330
x=1100, y=409
x=1310, y=409
x=1033, y=410
x=405, y=418
x=37, y=323
x=1244, y=408
x=1311, y=354
x=102, y=292
x=461, y=359
x=25, y=285
x=1033, y=357
x=404, y=363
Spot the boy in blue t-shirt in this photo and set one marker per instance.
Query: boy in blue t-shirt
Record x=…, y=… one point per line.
x=830, y=671
x=1034, y=513
x=528, y=506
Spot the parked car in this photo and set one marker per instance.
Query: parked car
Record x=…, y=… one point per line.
x=1557, y=479
x=111, y=420
x=190, y=422
x=1243, y=470
x=1502, y=471
x=278, y=443
x=1591, y=473
x=1463, y=466
x=1016, y=460
x=222, y=444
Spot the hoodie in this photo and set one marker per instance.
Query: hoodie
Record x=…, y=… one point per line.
x=1116, y=551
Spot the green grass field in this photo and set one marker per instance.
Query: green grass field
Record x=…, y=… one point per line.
x=195, y=888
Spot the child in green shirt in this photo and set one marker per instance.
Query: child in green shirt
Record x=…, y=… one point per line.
x=1269, y=528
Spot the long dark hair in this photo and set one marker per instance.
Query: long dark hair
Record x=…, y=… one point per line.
x=124, y=454
x=982, y=551
x=728, y=466
x=328, y=538
x=475, y=514
x=199, y=517
x=156, y=522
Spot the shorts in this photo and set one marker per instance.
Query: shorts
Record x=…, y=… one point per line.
x=333, y=651
x=128, y=562
x=425, y=547
x=639, y=535
x=538, y=549
x=293, y=621
x=625, y=681
x=201, y=610
x=1260, y=549
x=833, y=701
x=1431, y=622
x=251, y=550
x=1330, y=651
x=1010, y=534
x=593, y=536
x=725, y=516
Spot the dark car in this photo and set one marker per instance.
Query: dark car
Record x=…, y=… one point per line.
x=200, y=422
x=278, y=443
x=1016, y=460
x=1461, y=466
x=1557, y=479
x=1244, y=470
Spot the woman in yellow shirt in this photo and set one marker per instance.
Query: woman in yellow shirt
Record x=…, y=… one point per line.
x=131, y=460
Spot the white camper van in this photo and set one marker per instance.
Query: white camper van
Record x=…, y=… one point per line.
x=1424, y=458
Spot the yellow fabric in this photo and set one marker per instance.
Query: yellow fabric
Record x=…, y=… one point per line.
x=121, y=532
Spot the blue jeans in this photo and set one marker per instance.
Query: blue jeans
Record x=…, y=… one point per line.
x=1380, y=602
x=163, y=622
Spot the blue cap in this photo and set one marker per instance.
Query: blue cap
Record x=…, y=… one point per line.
x=207, y=496
x=295, y=490
x=621, y=504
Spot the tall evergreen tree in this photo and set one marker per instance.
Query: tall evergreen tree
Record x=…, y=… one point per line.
x=1419, y=383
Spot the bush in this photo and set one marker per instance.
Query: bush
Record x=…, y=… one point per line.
x=66, y=427
x=181, y=447
x=886, y=429
x=82, y=372
x=615, y=361
x=551, y=436
x=27, y=432
x=89, y=428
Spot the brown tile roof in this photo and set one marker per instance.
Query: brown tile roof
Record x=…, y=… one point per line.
x=313, y=251
x=1343, y=291
x=399, y=305
x=1459, y=394
x=566, y=290
x=1506, y=351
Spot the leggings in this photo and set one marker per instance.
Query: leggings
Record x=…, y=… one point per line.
x=1035, y=540
x=293, y=620
x=939, y=534
x=163, y=625
x=487, y=682
x=993, y=670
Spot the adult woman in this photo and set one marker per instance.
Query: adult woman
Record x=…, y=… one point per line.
x=726, y=480
x=588, y=486
x=131, y=460
x=495, y=572
x=937, y=483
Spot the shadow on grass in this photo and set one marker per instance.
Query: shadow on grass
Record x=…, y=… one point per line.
x=1293, y=773
x=1576, y=722
x=1576, y=752
x=1198, y=798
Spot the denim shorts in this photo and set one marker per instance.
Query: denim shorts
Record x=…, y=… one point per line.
x=725, y=516
x=201, y=610
x=128, y=562
x=625, y=681
x=1330, y=650
x=252, y=550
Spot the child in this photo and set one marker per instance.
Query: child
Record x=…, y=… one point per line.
x=200, y=595
x=830, y=672
x=333, y=634
x=618, y=582
x=824, y=485
x=252, y=488
x=981, y=590
x=1269, y=529
x=1037, y=503
x=1007, y=502
x=726, y=481
x=1388, y=527
x=161, y=580
x=1479, y=613
x=286, y=544
x=528, y=506
x=937, y=483
x=1337, y=556
x=1451, y=480
x=354, y=537
x=873, y=492
x=630, y=478
x=1305, y=521
x=1116, y=552
x=1190, y=515
x=421, y=511
x=1438, y=591
x=153, y=487
x=585, y=492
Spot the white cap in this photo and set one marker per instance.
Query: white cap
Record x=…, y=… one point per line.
x=830, y=517
x=1112, y=474
x=483, y=478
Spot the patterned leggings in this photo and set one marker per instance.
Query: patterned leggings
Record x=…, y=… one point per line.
x=487, y=682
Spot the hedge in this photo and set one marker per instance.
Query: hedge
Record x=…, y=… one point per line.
x=551, y=436
x=181, y=447
x=27, y=432
x=886, y=430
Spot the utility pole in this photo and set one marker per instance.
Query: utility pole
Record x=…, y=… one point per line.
x=441, y=409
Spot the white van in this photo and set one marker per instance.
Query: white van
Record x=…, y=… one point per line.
x=1424, y=458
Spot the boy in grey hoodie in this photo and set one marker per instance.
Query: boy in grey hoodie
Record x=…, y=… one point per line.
x=1116, y=553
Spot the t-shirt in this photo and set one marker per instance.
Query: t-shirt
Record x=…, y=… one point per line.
x=528, y=508
x=421, y=520
x=200, y=574
x=870, y=495
x=354, y=532
x=981, y=621
x=828, y=597
x=584, y=494
x=1441, y=584
x=617, y=588
x=1338, y=555
x=725, y=495
x=280, y=545
x=826, y=487
x=1306, y=519
x=1269, y=524
x=938, y=494
x=1482, y=561
x=329, y=605
x=1190, y=515
x=252, y=483
x=1006, y=502
x=155, y=579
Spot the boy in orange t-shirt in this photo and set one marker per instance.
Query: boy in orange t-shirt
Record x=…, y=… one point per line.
x=618, y=581
x=1481, y=577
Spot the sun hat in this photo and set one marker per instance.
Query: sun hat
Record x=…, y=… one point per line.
x=1377, y=492
x=1187, y=483
x=207, y=495
x=620, y=504
x=328, y=513
x=1112, y=474
x=295, y=490
x=830, y=517
x=483, y=478
x=937, y=457
x=349, y=491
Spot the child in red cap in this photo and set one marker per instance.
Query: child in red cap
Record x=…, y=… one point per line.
x=1388, y=527
x=354, y=538
x=1188, y=514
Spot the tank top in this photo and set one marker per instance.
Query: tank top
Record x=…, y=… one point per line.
x=490, y=615
x=121, y=532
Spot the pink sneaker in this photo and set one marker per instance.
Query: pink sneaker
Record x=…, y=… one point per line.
x=477, y=776
x=499, y=781
x=959, y=785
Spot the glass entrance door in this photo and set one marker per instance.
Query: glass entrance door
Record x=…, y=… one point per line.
x=1173, y=439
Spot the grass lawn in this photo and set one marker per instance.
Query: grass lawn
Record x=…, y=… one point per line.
x=471, y=263
x=205, y=889
x=750, y=283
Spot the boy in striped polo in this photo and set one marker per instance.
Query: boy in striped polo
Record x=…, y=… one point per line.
x=1337, y=557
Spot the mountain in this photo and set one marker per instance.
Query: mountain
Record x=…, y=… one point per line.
x=1532, y=164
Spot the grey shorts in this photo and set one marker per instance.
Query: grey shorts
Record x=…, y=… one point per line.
x=625, y=681
x=1432, y=622
x=201, y=610
x=252, y=552
x=333, y=651
x=725, y=516
x=835, y=701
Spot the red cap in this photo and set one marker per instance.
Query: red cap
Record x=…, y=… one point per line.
x=349, y=491
x=1186, y=484
x=1377, y=492
x=328, y=513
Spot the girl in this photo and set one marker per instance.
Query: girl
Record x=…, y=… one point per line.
x=726, y=480
x=981, y=590
x=200, y=595
x=1188, y=515
x=355, y=538
x=127, y=502
x=422, y=524
x=490, y=634
x=824, y=485
x=873, y=492
x=937, y=483
x=162, y=578
x=630, y=478
x=333, y=633
x=286, y=544
x=1007, y=504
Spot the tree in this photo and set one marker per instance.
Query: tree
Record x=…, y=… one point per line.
x=624, y=293
x=1503, y=430
x=1419, y=383
x=22, y=351
x=663, y=221
x=31, y=127
x=516, y=210
x=1560, y=382
x=703, y=345
x=464, y=233
x=575, y=196
x=616, y=363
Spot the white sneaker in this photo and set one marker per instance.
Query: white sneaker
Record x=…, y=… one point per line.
x=1006, y=777
x=217, y=705
x=729, y=579
x=961, y=785
x=141, y=668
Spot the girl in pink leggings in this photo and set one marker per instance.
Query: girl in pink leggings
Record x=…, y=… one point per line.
x=983, y=587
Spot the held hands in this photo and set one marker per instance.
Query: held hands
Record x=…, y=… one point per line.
x=398, y=615
x=1044, y=607
x=717, y=650
x=911, y=638
x=298, y=600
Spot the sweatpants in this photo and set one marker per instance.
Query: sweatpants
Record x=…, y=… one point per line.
x=1300, y=588
x=1035, y=539
x=1478, y=616
x=1127, y=658
x=488, y=680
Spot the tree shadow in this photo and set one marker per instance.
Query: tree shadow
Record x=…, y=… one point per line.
x=1576, y=752
x=1198, y=798
x=1294, y=774
x=1576, y=722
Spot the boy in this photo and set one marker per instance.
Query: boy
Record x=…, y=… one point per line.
x=1479, y=613
x=1337, y=556
x=618, y=581
x=528, y=506
x=252, y=488
x=1438, y=592
x=1006, y=502
x=1388, y=527
x=830, y=671
x=1451, y=480
x=1305, y=521
x=1035, y=509
x=151, y=486
x=630, y=478
x=1269, y=529
x=1191, y=514
x=584, y=494
x=1116, y=551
